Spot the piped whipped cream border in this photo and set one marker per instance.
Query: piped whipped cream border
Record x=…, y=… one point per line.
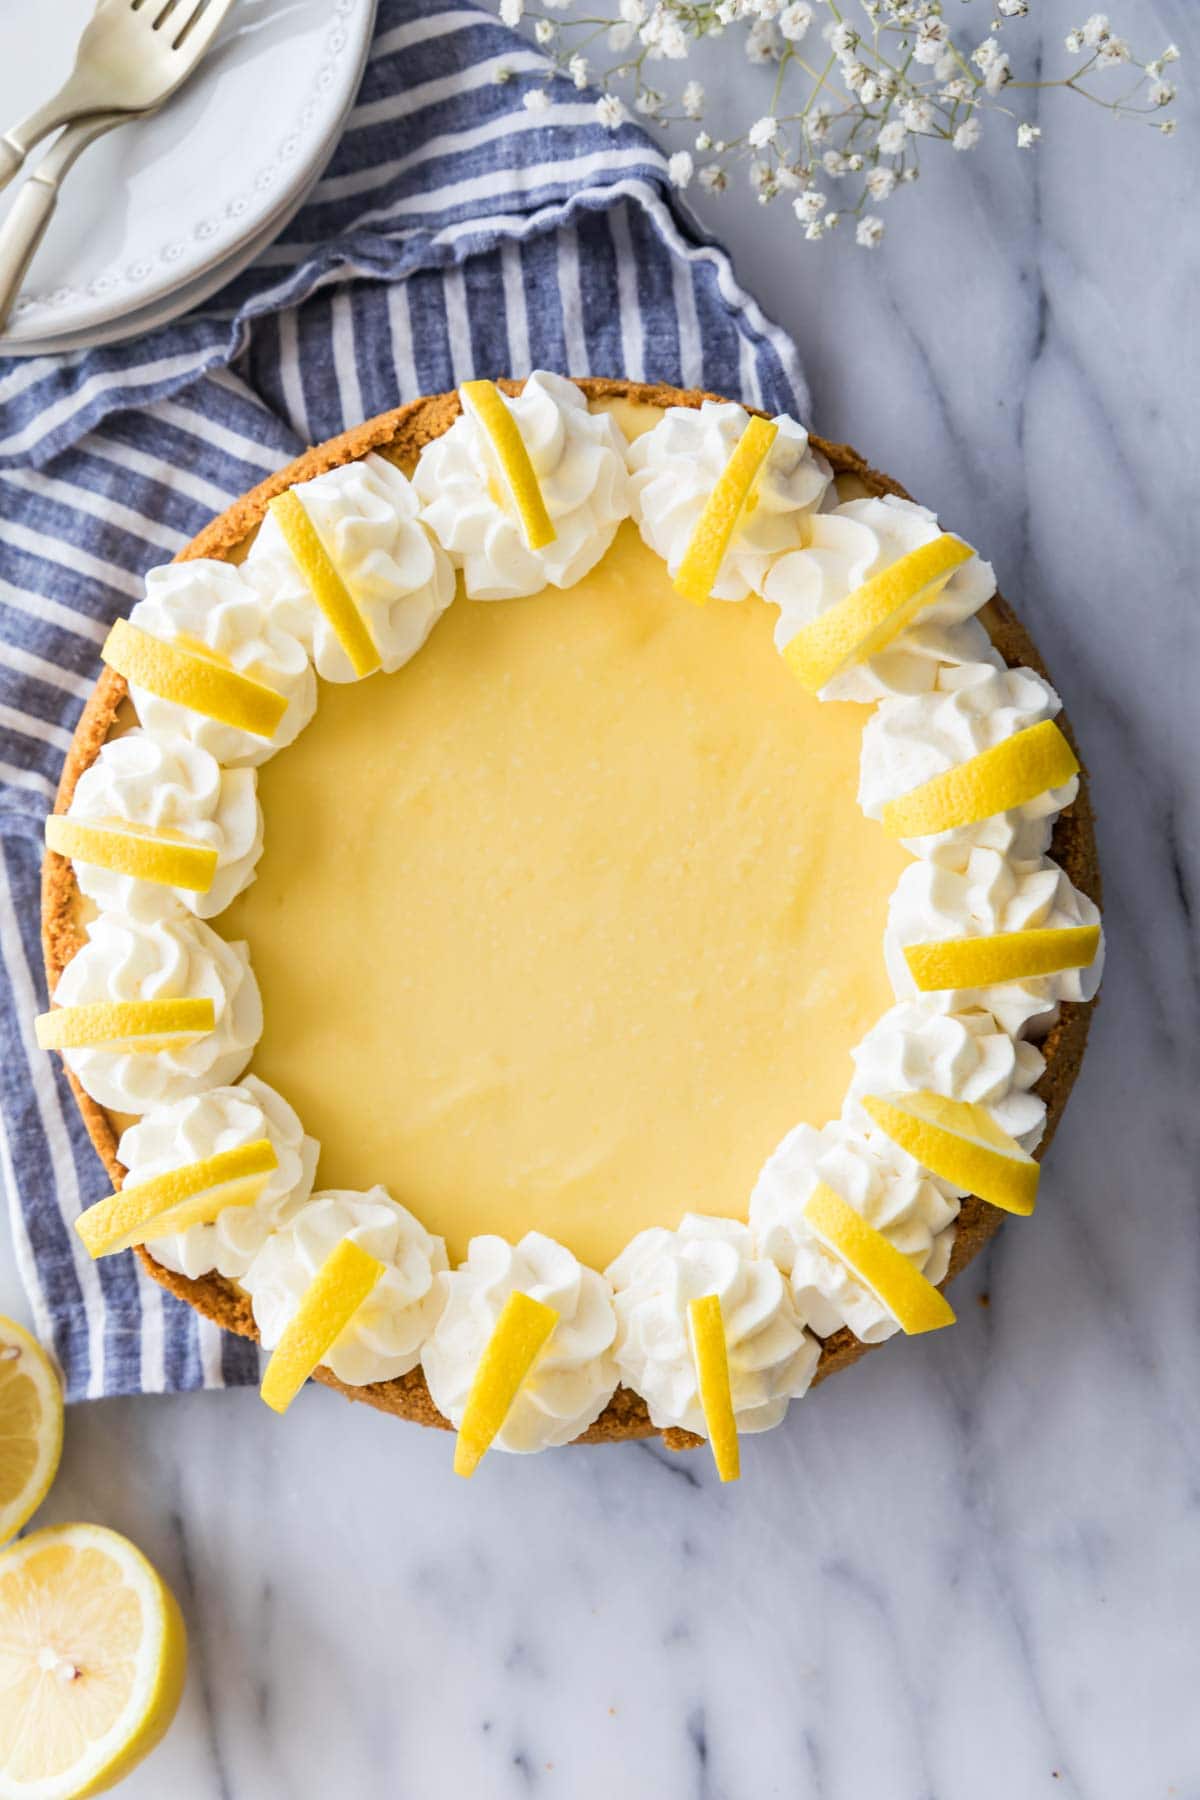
x=939, y=694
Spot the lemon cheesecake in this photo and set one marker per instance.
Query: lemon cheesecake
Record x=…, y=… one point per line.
x=570, y=913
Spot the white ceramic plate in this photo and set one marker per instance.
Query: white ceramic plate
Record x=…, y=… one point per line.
x=151, y=210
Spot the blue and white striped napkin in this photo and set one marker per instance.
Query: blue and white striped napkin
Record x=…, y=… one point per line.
x=456, y=234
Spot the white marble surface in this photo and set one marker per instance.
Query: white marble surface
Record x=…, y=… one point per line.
x=968, y=1569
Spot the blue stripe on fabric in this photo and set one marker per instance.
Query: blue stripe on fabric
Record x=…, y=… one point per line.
x=454, y=233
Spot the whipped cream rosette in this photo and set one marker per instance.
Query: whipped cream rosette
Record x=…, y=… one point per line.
x=772, y=1358
x=171, y=787
x=205, y=1125
x=915, y=1049
x=211, y=609
x=384, y=1337
x=126, y=959
x=845, y=546
x=675, y=466
x=991, y=895
x=971, y=708
x=911, y=1209
x=399, y=578
x=578, y=458
x=574, y=1377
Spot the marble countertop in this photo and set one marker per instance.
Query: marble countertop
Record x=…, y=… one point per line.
x=969, y=1568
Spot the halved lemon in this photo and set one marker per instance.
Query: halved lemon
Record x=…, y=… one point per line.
x=865, y=621
x=485, y=403
x=518, y=1339
x=723, y=509
x=31, y=1428
x=963, y=1144
x=711, y=1355
x=194, y=681
x=171, y=1203
x=975, y=962
x=328, y=589
x=334, y=1295
x=124, y=1026
x=897, y=1284
x=1029, y=763
x=168, y=861
x=93, y=1654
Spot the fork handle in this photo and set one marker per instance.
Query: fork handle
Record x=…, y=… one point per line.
x=11, y=158
x=30, y=213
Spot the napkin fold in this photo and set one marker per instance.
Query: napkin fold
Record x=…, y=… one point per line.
x=456, y=233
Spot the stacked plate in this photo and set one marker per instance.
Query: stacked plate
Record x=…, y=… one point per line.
x=159, y=214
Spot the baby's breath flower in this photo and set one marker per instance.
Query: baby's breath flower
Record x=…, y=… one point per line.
x=1112, y=51
x=1027, y=136
x=764, y=131
x=835, y=163
x=1095, y=30
x=968, y=133
x=545, y=32
x=795, y=20
x=577, y=69
x=1170, y=54
x=1074, y=43
x=814, y=231
x=633, y=12
x=992, y=64
x=890, y=141
x=842, y=39
x=1161, y=93
x=649, y=101
x=869, y=234
x=680, y=169
x=703, y=141
x=761, y=176
x=762, y=43
x=610, y=112
x=880, y=182
x=714, y=178
x=932, y=37
x=1169, y=127
x=868, y=93
x=917, y=115
x=692, y=100
x=820, y=121
x=1012, y=9
x=832, y=220
x=537, y=100
x=808, y=206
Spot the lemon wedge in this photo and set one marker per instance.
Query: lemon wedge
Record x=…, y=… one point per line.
x=975, y=962
x=170, y=1203
x=126, y=1025
x=334, y=1295
x=865, y=621
x=328, y=589
x=913, y=1302
x=207, y=687
x=170, y=862
x=31, y=1427
x=519, y=1336
x=485, y=404
x=94, y=1654
x=712, y=1372
x=1029, y=763
x=724, y=507
x=963, y=1144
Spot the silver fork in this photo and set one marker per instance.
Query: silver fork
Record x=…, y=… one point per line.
x=132, y=55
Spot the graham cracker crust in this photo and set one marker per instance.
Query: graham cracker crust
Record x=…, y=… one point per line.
x=400, y=436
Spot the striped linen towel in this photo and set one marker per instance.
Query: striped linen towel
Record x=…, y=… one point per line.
x=455, y=234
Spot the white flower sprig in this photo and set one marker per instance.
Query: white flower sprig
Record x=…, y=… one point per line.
x=852, y=104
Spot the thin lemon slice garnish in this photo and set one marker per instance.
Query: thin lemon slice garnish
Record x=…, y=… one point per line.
x=723, y=509
x=328, y=589
x=976, y=962
x=518, y=1339
x=712, y=1372
x=31, y=1426
x=1029, y=763
x=913, y=1302
x=485, y=403
x=122, y=1026
x=332, y=1298
x=961, y=1143
x=170, y=1203
x=865, y=621
x=170, y=862
x=94, y=1656
x=194, y=681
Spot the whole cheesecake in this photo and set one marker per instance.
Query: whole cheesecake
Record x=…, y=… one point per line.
x=585, y=931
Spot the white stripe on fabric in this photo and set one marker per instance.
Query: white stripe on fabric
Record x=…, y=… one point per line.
x=27, y=726
x=152, y=1373
x=97, y=506
x=400, y=326
x=458, y=325
x=633, y=347
x=57, y=553
x=96, y=386
x=345, y=368
x=691, y=348
x=216, y=435
x=13, y=657
x=167, y=474
x=290, y=378
x=416, y=99
x=571, y=300
x=422, y=31
x=516, y=314
x=28, y=778
x=52, y=612
x=209, y=1340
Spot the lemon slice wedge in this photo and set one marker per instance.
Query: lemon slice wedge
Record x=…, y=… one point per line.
x=31, y=1426
x=1029, y=763
x=328, y=589
x=190, y=680
x=913, y=1302
x=865, y=621
x=167, y=861
x=124, y=1026
x=723, y=509
x=976, y=962
x=485, y=404
x=712, y=1372
x=94, y=1653
x=334, y=1295
x=519, y=1336
x=963, y=1144
x=170, y=1203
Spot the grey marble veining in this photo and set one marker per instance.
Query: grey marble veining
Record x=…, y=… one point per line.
x=968, y=1569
